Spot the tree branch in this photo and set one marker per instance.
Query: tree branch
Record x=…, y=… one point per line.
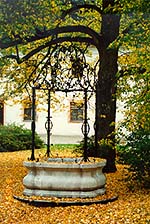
x=97, y=39
x=48, y=44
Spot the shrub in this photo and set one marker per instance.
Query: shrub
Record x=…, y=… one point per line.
x=135, y=152
x=103, y=147
x=15, y=138
x=90, y=146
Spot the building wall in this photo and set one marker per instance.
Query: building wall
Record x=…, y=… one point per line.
x=62, y=127
x=63, y=130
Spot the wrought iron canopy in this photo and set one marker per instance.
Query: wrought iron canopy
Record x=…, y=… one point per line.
x=65, y=68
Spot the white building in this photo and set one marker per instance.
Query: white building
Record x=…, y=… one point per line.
x=67, y=120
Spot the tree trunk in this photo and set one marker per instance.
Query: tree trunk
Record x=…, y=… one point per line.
x=106, y=89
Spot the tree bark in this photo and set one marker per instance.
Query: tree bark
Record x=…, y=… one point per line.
x=106, y=87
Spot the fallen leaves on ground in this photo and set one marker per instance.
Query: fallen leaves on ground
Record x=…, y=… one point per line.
x=131, y=206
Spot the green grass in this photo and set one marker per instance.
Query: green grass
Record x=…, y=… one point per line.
x=63, y=146
x=59, y=150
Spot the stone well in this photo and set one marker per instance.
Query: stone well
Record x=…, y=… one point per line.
x=68, y=177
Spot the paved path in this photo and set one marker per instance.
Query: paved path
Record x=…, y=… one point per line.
x=62, y=139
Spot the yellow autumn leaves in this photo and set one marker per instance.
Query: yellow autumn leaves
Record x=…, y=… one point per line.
x=131, y=207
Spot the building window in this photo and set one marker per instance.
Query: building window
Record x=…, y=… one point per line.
x=76, y=112
x=27, y=113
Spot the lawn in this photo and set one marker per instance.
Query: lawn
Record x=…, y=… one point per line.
x=132, y=206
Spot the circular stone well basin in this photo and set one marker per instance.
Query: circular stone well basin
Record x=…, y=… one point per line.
x=67, y=177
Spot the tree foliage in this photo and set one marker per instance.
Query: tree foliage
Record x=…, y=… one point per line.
x=135, y=153
x=134, y=75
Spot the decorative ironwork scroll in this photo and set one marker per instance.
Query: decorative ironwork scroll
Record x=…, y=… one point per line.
x=64, y=68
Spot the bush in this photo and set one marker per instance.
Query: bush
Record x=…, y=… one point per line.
x=103, y=147
x=135, y=152
x=90, y=146
x=15, y=138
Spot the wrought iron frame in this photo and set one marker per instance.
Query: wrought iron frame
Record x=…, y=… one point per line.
x=55, y=76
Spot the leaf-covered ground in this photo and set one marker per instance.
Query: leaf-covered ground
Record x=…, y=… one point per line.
x=131, y=206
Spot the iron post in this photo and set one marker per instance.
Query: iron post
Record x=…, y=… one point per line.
x=33, y=123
